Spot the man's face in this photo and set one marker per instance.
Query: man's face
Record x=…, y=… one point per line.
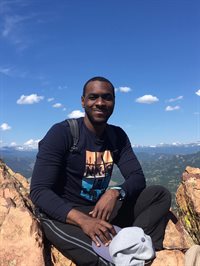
x=98, y=102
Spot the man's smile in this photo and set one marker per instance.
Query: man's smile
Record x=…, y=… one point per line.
x=100, y=111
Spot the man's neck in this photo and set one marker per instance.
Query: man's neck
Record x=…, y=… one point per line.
x=97, y=129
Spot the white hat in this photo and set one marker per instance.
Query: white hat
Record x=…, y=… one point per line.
x=130, y=247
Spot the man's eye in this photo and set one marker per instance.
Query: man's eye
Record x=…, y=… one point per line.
x=93, y=97
x=107, y=97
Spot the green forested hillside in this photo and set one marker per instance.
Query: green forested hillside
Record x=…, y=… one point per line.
x=20, y=162
x=163, y=169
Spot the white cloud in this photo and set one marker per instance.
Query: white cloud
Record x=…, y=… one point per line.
x=13, y=72
x=15, y=21
x=13, y=30
x=62, y=87
x=50, y=99
x=5, y=70
x=198, y=92
x=148, y=99
x=31, y=144
x=57, y=105
x=11, y=23
x=172, y=108
x=76, y=114
x=13, y=144
x=14, y=27
x=175, y=99
x=5, y=127
x=123, y=89
x=29, y=99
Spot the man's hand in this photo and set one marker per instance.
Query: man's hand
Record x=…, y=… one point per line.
x=98, y=229
x=105, y=205
x=95, y=228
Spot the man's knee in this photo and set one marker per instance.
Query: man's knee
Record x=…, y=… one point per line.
x=159, y=191
x=163, y=193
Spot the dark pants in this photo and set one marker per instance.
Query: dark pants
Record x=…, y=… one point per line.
x=149, y=212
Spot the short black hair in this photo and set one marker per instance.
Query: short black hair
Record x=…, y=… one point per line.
x=99, y=79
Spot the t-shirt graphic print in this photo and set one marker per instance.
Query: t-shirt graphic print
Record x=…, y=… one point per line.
x=98, y=170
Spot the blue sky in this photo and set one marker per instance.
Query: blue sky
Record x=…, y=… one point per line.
x=149, y=49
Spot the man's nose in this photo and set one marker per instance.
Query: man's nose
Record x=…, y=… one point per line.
x=100, y=101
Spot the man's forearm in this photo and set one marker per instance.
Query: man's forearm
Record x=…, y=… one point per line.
x=76, y=217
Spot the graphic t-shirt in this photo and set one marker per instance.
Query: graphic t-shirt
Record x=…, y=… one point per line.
x=98, y=170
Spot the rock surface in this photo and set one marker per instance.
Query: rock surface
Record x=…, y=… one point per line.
x=58, y=259
x=20, y=234
x=176, y=237
x=188, y=201
x=23, y=243
x=169, y=258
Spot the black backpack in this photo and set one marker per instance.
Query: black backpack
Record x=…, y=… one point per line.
x=74, y=129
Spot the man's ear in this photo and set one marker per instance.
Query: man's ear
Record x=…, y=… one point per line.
x=83, y=101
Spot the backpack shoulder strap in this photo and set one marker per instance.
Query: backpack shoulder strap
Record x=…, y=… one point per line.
x=74, y=129
x=112, y=136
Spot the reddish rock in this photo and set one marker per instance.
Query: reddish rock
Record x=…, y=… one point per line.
x=169, y=258
x=188, y=201
x=22, y=239
x=192, y=170
x=19, y=230
x=176, y=237
x=59, y=260
x=20, y=235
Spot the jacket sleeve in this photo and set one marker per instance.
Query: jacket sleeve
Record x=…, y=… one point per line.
x=129, y=167
x=48, y=172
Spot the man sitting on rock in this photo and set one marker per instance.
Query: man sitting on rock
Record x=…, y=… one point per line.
x=70, y=189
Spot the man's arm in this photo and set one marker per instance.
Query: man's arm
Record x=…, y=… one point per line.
x=48, y=171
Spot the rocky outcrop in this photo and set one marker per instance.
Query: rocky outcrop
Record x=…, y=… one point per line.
x=19, y=230
x=169, y=258
x=24, y=245
x=176, y=237
x=188, y=201
x=21, y=239
x=183, y=233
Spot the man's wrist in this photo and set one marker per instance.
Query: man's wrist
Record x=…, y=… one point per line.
x=76, y=217
x=120, y=190
x=114, y=192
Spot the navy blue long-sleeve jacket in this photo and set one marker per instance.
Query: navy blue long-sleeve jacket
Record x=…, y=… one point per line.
x=62, y=180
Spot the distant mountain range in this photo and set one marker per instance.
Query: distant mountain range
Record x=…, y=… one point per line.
x=175, y=148
x=22, y=160
x=19, y=161
x=162, y=164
